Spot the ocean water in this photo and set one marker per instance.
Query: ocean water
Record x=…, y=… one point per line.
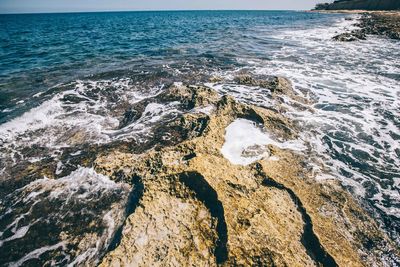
x=66, y=80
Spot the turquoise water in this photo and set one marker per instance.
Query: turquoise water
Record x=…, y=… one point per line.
x=62, y=74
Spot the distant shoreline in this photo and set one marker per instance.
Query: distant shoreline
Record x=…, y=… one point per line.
x=382, y=23
x=358, y=11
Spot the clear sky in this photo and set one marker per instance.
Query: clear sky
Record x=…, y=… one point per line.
x=32, y=6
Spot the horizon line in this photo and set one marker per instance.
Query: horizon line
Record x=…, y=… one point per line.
x=142, y=10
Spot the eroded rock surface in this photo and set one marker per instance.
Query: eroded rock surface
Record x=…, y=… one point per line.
x=177, y=199
x=198, y=208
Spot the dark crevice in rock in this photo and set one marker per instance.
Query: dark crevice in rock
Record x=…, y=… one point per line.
x=189, y=156
x=252, y=115
x=133, y=202
x=309, y=239
x=206, y=194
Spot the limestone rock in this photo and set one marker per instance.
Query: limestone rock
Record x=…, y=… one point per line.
x=175, y=200
x=197, y=208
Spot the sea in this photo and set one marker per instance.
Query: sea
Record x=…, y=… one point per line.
x=75, y=75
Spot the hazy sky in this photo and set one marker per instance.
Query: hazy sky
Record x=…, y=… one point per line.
x=23, y=6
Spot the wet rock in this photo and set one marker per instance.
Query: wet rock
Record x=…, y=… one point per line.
x=191, y=96
x=247, y=79
x=347, y=5
x=251, y=80
x=281, y=85
x=130, y=116
x=74, y=99
x=374, y=23
x=52, y=221
x=350, y=37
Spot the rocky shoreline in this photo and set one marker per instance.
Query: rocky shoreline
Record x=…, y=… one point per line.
x=188, y=204
x=203, y=157
x=197, y=208
x=359, y=4
x=373, y=23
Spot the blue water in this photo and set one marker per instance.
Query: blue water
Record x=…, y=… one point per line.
x=38, y=51
x=63, y=74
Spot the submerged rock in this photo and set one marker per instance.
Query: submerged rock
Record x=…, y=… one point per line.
x=51, y=221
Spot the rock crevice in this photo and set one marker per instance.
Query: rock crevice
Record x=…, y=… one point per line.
x=309, y=239
x=206, y=194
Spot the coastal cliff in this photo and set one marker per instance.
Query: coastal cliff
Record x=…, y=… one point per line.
x=360, y=5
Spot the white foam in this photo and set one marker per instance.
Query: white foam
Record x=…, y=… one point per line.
x=57, y=123
x=21, y=232
x=59, y=168
x=240, y=135
x=356, y=87
x=38, y=94
x=246, y=143
x=76, y=153
x=274, y=158
x=255, y=95
x=140, y=130
x=82, y=185
x=35, y=254
x=6, y=110
x=153, y=111
x=32, y=120
x=70, y=185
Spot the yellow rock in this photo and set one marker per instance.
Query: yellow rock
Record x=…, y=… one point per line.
x=198, y=209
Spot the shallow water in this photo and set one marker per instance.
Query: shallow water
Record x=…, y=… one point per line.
x=67, y=81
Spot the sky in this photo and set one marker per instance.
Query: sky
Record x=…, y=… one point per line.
x=35, y=6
